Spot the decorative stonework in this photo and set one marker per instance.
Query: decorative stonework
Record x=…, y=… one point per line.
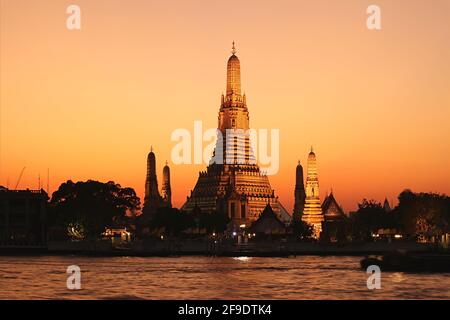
x=312, y=213
x=236, y=188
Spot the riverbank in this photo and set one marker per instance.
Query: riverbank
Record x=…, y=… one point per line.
x=202, y=248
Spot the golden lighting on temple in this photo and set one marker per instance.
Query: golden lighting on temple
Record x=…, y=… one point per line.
x=312, y=213
x=236, y=188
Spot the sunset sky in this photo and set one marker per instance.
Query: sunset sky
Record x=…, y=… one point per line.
x=89, y=103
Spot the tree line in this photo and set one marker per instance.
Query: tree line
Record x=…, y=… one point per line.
x=80, y=210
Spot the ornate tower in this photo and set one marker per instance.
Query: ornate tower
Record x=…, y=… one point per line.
x=152, y=198
x=312, y=213
x=166, y=190
x=233, y=145
x=233, y=183
x=151, y=182
x=299, y=193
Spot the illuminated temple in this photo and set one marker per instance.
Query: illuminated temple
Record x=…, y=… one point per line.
x=312, y=212
x=233, y=183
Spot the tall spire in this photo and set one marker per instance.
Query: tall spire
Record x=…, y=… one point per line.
x=151, y=183
x=152, y=199
x=233, y=75
x=166, y=189
x=312, y=166
x=312, y=213
x=299, y=193
x=233, y=114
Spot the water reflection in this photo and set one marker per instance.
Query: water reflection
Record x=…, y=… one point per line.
x=305, y=277
x=242, y=258
x=397, y=277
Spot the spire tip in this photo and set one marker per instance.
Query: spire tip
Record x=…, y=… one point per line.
x=233, y=49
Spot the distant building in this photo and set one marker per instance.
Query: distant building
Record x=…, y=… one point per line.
x=268, y=223
x=166, y=189
x=153, y=199
x=331, y=210
x=23, y=217
x=312, y=214
x=117, y=236
x=334, y=224
x=299, y=193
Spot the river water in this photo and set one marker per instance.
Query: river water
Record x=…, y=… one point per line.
x=303, y=277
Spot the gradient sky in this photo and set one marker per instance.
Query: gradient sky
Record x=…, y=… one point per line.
x=88, y=104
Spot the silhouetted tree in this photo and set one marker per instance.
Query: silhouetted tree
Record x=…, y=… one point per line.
x=334, y=231
x=172, y=221
x=369, y=218
x=423, y=214
x=86, y=208
x=302, y=230
x=214, y=222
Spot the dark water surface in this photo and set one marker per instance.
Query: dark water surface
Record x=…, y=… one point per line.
x=304, y=277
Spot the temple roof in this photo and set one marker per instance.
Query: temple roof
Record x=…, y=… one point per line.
x=330, y=203
x=268, y=222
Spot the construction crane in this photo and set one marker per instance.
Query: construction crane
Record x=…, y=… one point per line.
x=20, y=177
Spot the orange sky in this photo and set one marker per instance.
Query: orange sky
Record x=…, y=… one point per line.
x=88, y=104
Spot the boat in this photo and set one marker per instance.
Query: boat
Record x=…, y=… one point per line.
x=408, y=262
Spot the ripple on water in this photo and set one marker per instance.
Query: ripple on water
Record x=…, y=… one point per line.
x=123, y=278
